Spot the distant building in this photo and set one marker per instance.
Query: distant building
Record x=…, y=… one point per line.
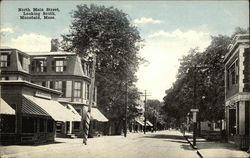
x=237, y=91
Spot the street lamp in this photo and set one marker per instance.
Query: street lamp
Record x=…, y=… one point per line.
x=195, y=109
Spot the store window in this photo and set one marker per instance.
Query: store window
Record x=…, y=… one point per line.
x=76, y=125
x=41, y=125
x=28, y=125
x=4, y=60
x=7, y=124
x=50, y=126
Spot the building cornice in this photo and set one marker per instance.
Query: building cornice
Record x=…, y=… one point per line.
x=242, y=96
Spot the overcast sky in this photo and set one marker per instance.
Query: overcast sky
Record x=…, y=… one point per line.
x=169, y=28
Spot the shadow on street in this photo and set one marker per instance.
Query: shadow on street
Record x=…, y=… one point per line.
x=165, y=136
x=34, y=144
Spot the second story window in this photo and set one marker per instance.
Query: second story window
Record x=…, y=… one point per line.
x=39, y=65
x=77, y=90
x=60, y=86
x=233, y=74
x=59, y=65
x=4, y=60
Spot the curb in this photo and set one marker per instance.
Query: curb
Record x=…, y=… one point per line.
x=195, y=148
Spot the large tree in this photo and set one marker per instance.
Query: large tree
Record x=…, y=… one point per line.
x=209, y=83
x=108, y=33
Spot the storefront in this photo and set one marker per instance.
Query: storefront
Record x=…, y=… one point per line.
x=36, y=112
x=97, y=121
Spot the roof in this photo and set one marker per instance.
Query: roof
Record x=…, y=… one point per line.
x=238, y=39
x=50, y=53
x=56, y=110
x=13, y=82
x=5, y=108
x=6, y=47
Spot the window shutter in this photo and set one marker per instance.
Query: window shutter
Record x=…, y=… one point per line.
x=52, y=85
x=33, y=66
x=45, y=66
x=8, y=60
x=53, y=65
x=64, y=65
x=63, y=88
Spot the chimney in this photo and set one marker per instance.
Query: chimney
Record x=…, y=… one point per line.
x=54, y=45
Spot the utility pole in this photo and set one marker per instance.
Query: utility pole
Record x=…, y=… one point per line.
x=92, y=91
x=126, y=108
x=194, y=104
x=145, y=106
x=195, y=109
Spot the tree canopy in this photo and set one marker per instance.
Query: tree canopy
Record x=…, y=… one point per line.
x=208, y=69
x=108, y=33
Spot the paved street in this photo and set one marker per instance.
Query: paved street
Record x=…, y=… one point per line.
x=165, y=144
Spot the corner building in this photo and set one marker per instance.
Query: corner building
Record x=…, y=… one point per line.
x=64, y=72
x=237, y=91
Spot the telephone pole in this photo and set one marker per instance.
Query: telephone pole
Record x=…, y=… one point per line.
x=145, y=106
x=126, y=108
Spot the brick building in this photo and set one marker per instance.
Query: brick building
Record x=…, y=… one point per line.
x=237, y=91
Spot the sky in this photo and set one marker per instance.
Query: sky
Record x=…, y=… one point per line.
x=169, y=29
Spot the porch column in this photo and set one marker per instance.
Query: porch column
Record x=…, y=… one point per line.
x=70, y=127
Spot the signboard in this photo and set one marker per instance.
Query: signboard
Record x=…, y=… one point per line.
x=194, y=110
x=42, y=95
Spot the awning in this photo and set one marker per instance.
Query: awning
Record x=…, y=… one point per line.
x=56, y=110
x=76, y=116
x=29, y=107
x=97, y=115
x=141, y=123
x=149, y=123
x=5, y=108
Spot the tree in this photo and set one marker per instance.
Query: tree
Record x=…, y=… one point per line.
x=108, y=33
x=209, y=83
x=153, y=113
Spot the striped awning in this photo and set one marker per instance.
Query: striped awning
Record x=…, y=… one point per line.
x=6, y=108
x=76, y=116
x=56, y=110
x=29, y=107
x=96, y=115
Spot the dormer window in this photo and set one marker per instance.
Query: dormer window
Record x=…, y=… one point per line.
x=59, y=65
x=5, y=60
x=39, y=65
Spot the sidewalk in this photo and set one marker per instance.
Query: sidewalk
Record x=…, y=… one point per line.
x=213, y=149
